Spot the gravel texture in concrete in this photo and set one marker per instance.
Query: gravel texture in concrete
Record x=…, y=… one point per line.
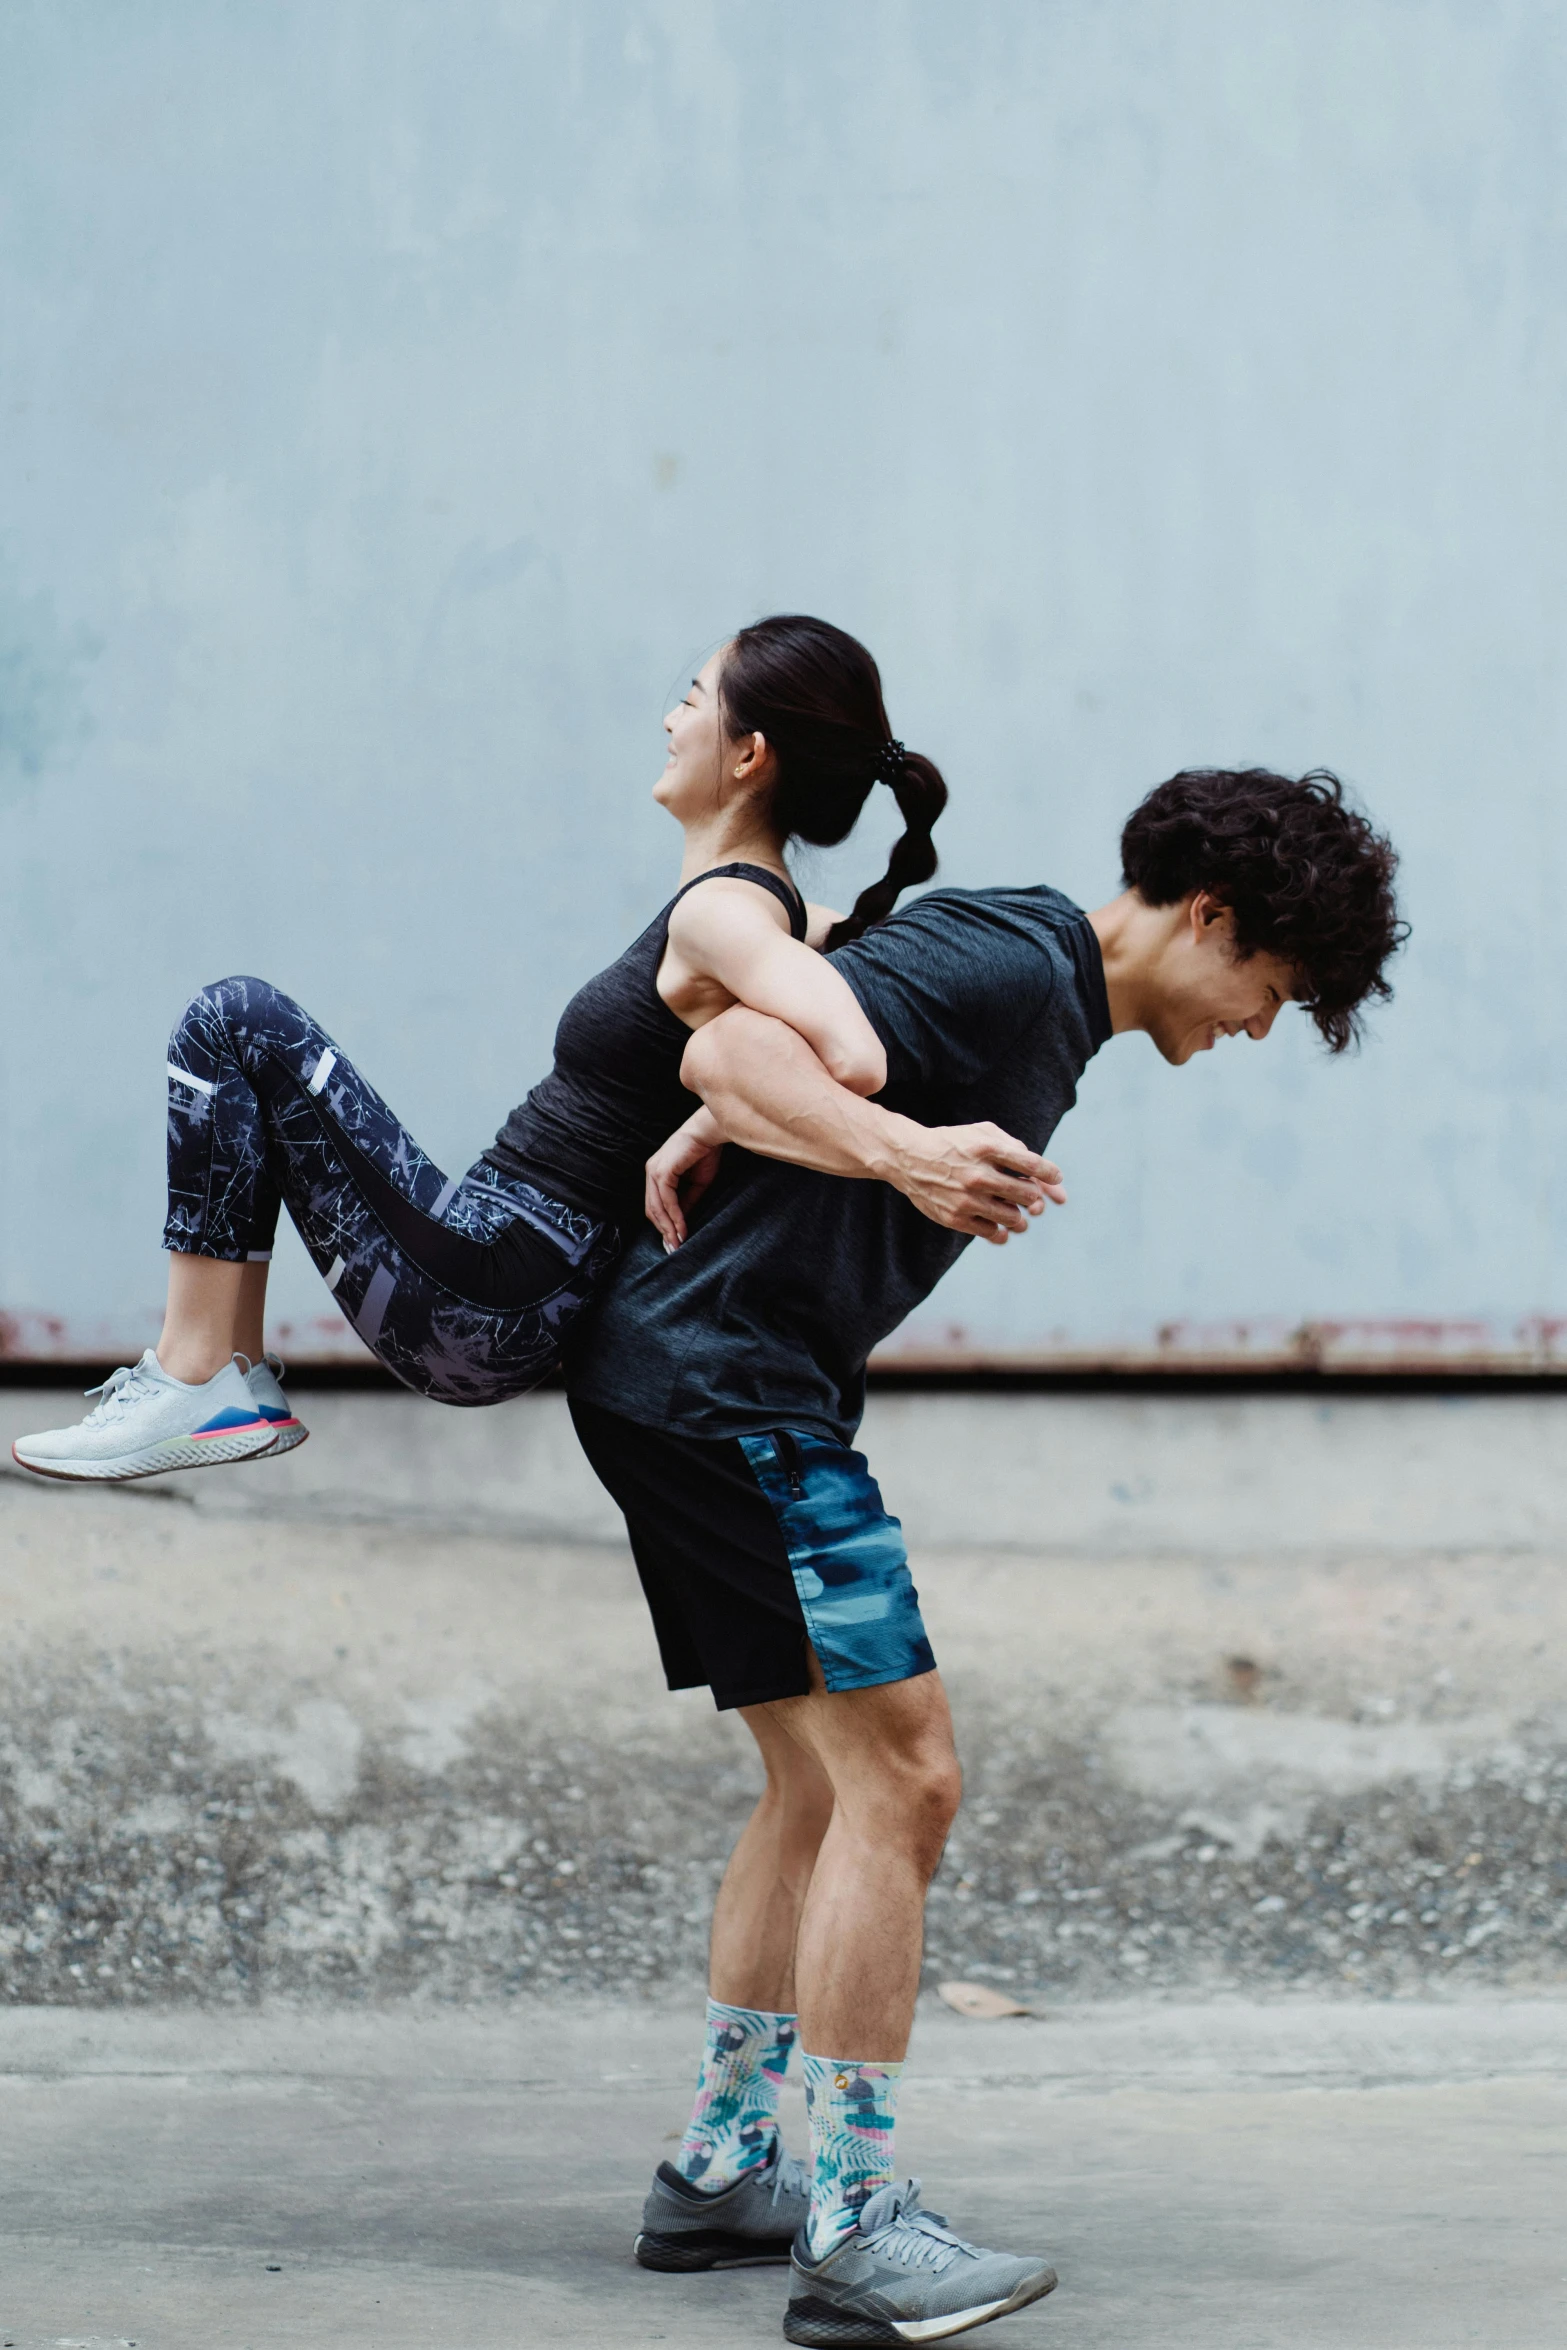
x=245, y=1751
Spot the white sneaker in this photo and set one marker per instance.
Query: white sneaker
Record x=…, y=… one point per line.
x=265, y=1382
x=148, y=1422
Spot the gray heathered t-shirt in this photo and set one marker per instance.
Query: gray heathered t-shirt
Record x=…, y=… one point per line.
x=990, y=1003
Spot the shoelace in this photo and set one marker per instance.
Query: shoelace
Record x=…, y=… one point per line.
x=129, y=1384
x=893, y=2224
x=119, y=1391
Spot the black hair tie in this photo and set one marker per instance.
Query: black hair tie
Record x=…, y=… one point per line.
x=891, y=760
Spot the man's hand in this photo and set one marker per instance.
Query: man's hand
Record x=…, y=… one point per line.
x=768, y=1092
x=973, y=1179
x=678, y=1173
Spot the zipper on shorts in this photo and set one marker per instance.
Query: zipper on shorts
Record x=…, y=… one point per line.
x=789, y=1460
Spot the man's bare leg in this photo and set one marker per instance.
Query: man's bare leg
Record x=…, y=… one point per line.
x=888, y=1756
x=757, y=1915
x=750, y=2024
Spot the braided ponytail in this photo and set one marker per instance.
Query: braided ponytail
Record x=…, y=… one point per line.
x=921, y=794
x=814, y=693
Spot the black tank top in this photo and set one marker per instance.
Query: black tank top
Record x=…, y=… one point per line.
x=586, y=1131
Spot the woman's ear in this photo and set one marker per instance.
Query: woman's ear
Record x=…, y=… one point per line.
x=752, y=756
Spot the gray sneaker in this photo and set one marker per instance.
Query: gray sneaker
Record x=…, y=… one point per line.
x=265, y=1381
x=146, y=1423
x=749, y=2225
x=904, y=2277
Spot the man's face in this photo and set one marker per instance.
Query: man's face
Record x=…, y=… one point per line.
x=1205, y=990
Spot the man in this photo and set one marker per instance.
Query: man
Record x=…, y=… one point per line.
x=717, y=1393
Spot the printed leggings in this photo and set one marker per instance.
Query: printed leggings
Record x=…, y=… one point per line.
x=462, y=1287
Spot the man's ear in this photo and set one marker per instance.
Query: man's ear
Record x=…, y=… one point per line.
x=1208, y=912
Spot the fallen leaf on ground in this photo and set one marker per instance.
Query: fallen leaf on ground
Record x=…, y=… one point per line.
x=978, y=2000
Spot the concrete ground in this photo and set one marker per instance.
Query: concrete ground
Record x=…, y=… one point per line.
x=354, y=1869
x=1235, y=2177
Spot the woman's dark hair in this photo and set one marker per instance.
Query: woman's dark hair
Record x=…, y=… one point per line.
x=1304, y=873
x=815, y=694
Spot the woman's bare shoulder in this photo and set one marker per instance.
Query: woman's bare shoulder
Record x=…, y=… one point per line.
x=725, y=903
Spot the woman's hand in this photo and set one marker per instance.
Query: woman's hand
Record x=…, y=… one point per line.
x=678, y=1173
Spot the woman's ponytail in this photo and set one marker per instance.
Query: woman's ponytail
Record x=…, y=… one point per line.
x=921, y=793
x=814, y=693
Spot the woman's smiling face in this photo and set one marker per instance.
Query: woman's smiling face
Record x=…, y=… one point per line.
x=689, y=784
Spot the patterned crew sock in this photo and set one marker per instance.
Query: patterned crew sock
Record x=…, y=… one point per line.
x=852, y=2108
x=735, y=2118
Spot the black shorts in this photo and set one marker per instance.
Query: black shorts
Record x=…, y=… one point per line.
x=754, y=1550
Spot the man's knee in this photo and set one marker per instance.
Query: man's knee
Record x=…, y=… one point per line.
x=798, y=1788
x=908, y=1808
x=903, y=1779
x=931, y=1796
x=801, y=1791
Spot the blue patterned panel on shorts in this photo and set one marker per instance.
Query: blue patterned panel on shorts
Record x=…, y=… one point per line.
x=847, y=1558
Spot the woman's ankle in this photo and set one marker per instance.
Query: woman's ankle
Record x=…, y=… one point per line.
x=205, y=1295
x=191, y=1364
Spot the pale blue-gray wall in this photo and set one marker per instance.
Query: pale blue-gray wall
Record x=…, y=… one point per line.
x=399, y=395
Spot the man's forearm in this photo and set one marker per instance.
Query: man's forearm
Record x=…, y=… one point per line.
x=770, y=1093
x=704, y=1127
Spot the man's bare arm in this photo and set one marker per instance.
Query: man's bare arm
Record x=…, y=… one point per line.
x=770, y=1093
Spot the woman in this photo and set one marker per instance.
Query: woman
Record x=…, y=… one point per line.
x=465, y=1288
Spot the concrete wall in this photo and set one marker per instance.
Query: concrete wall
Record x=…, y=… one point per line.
x=1113, y=1475
x=398, y=399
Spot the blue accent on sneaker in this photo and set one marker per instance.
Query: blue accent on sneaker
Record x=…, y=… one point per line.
x=229, y=1417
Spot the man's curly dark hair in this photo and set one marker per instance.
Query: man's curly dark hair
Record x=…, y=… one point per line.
x=1306, y=875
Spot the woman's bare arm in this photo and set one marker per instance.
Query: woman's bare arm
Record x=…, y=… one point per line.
x=769, y=1092
x=727, y=944
x=784, y=1069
